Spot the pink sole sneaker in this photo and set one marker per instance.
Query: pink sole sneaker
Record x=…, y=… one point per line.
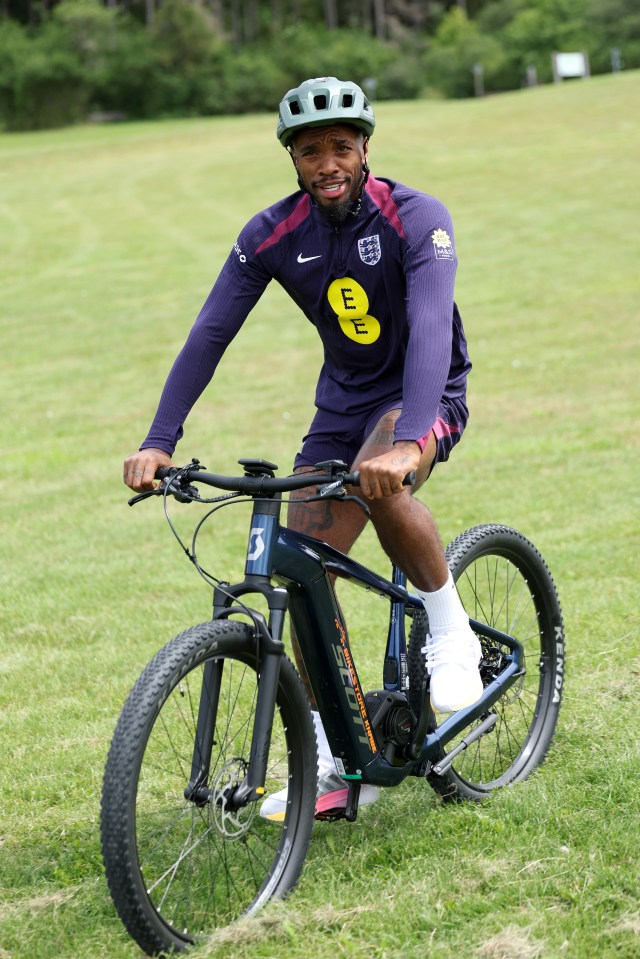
x=330, y=804
x=335, y=803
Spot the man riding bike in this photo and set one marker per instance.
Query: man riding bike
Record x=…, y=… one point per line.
x=371, y=263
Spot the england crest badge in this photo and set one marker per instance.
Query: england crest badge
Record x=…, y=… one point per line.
x=369, y=249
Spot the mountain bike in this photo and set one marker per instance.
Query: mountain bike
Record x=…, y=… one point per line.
x=219, y=718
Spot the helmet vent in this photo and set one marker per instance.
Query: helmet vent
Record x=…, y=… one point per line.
x=322, y=102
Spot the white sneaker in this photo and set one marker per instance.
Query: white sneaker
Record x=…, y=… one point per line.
x=452, y=657
x=331, y=799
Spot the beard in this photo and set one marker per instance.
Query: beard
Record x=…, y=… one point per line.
x=336, y=214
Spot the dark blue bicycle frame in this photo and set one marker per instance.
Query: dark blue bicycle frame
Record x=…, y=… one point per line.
x=304, y=566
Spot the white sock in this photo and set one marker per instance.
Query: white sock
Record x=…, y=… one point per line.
x=443, y=607
x=325, y=759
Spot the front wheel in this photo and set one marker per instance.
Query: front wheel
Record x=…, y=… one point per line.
x=178, y=867
x=504, y=582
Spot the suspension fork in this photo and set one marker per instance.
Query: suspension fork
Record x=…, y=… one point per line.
x=197, y=790
x=269, y=651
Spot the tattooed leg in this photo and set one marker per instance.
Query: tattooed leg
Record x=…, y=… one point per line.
x=338, y=524
x=405, y=527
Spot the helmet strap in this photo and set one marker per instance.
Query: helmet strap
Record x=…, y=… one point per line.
x=356, y=205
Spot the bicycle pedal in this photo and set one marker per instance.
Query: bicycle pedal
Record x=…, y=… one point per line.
x=346, y=805
x=331, y=815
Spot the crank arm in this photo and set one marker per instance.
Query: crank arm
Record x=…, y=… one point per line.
x=485, y=726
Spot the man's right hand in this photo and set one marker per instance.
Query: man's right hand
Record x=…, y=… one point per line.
x=140, y=468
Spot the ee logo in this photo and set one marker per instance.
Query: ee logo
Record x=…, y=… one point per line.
x=350, y=303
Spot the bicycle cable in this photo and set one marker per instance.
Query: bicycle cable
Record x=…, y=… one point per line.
x=226, y=499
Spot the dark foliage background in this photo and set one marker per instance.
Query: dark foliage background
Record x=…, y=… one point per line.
x=61, y=62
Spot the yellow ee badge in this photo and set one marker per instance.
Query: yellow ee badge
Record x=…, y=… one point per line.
x=442, y=245
x=350, y=303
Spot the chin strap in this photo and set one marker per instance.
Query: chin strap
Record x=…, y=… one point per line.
x=357, y=204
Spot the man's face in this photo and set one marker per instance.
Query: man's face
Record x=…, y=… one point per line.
x=329, y=161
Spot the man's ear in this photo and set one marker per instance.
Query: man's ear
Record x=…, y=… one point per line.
x=365, y=150
x=293, y=159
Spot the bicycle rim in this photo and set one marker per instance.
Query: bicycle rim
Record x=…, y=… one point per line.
x=504, y=582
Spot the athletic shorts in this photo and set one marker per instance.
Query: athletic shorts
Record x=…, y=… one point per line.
x=334, y=436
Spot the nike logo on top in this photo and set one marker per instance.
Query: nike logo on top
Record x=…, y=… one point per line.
x=305, y=259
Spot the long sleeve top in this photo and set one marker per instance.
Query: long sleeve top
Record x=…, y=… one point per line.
x=379, y=289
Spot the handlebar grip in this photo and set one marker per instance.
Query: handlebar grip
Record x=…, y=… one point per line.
x=163, y=471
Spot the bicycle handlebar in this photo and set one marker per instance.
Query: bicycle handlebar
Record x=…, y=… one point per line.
x=250, y=485
x=255, y=485
x=332, y=480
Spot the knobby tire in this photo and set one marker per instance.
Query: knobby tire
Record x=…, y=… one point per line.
x=503, y=582
x=177, y=870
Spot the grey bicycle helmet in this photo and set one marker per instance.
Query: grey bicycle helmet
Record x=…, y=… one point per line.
x=321, y=102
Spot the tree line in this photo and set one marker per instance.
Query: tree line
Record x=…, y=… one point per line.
x=63, y=60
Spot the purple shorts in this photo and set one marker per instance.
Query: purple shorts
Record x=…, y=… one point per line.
x=334, y=436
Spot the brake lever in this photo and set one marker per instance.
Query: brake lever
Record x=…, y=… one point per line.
x=185, y=494
x=360, y=502
x=150, y=492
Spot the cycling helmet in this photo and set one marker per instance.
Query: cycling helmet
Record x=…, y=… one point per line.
x=321, y=102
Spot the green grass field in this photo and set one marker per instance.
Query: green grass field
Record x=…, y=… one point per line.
x=110, y=240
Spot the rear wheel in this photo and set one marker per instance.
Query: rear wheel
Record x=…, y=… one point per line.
x=178, y=869
x=503, y=582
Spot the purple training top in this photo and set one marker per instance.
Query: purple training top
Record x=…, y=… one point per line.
x=378, y=289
